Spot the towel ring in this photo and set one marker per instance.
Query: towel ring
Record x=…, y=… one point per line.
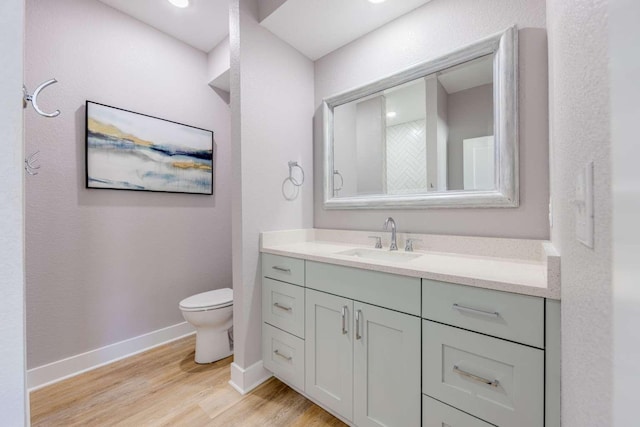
x=335, y=172
x=294, y=181
x=290, y=196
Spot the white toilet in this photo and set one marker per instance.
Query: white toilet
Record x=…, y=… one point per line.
x=211, y=314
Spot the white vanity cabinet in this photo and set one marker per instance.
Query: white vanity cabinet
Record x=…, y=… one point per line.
x=363, y=360
x=379, y=349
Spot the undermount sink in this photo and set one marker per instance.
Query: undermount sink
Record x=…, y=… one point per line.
x=379, y=255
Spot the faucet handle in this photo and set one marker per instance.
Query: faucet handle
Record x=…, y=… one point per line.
x=378, y=241
x=408, y=245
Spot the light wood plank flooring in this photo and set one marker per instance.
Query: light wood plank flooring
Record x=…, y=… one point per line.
x=165, y=387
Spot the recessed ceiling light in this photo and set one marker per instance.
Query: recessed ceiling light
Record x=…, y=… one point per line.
x=391, y=114
x=181, y=3
x=376, y=1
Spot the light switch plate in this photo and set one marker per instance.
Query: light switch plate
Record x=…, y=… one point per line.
x=584, y=206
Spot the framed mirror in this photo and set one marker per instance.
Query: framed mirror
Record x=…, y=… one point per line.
x=443, y=133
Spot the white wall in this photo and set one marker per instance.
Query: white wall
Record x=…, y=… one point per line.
x=13, y=404
x=219, y=59
x=430, y=31
x=579, y=122
x=624, y=65
x=272, y=111
x=106, y=265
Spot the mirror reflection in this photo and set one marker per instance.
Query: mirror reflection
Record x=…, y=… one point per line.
x=432, y=134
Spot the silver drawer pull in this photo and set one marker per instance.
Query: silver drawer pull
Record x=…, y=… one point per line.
x=283, y=269
x=475, y=311
x=358, y=314
x=282, y=307
x=344, y=320
x=277, y=353
x=494, y=383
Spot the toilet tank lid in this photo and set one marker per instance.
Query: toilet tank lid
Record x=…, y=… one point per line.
x=218, y=297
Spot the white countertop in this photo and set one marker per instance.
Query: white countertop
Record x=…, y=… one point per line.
x=520, y=266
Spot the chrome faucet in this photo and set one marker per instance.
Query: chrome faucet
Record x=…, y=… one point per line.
x=394, y=244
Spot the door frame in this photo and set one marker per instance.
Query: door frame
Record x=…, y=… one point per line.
x=14, y=402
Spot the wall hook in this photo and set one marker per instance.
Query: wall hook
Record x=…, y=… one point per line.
x=294, y=181
x=34, y=98
x=31, y=164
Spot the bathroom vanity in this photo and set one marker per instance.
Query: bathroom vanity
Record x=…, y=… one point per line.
x=441, y=335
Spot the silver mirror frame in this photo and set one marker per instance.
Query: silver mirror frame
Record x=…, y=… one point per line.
x=504, y=46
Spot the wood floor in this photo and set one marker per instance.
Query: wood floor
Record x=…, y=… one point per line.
x=165, y=387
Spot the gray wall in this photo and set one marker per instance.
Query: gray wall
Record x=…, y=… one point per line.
x=105, y=265
x=426, y=33
x=580, y=132
x=272, y=111
x=13, y=396
x=469, y=115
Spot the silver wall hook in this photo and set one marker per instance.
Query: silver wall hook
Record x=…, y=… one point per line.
x=34, y=98
x=31, y=165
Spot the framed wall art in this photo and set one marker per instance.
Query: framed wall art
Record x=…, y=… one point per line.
x=133, y=151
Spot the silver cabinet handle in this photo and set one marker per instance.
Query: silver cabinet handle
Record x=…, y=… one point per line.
x=277, y=353
x=475, y=311
x=344, y=320
x=358, y=313
x=283, y=269
x=492, y=383
x=282, y=307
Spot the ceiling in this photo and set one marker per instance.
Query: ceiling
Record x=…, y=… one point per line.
x=407, y=101
x=467, y=75
x=317, y=27
x=314, y=27
x=202, y=25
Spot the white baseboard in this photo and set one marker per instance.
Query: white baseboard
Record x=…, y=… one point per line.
x=71, y=366
x=245, y=380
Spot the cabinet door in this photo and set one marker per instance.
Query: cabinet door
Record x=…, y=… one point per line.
x=329, y=351
x=386, y=367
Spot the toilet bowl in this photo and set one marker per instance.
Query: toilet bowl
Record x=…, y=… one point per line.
x=211, y=314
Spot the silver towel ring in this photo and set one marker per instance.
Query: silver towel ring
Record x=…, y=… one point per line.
x=290, y=196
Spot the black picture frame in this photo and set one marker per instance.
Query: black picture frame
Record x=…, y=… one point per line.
x=126, y=150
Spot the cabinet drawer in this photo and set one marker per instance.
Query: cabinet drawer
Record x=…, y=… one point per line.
x=283, y=268
x=437, y=414
x=505, y=315
x=283, y=354
x=283, y=306
x=495, y=380
x=392, y=291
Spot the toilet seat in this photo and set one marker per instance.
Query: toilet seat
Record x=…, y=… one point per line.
x=210, y=300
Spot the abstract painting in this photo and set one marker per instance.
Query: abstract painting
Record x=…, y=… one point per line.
x=132, y=151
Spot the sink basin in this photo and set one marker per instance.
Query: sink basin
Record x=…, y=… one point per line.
x=379, y=255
